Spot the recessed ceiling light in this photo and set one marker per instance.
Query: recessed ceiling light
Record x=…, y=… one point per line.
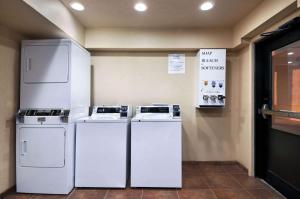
x=207, y=5
x=290, y=53
x=290, y=62
x=76, y=5
x=140, y=7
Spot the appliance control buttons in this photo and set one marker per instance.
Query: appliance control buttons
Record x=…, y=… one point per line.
x=221, y=97
x=205, y=97
x=213, y=84
x=213, y=97
x=124, y=108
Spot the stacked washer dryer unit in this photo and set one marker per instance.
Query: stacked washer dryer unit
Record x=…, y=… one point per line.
x=55, y=91
x=156, y=151
x=102, y=145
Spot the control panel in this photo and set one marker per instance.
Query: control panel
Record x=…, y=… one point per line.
x=176, y=110
x=211, y=89
x=173, y=110
x=123, y=111
x=42, y=115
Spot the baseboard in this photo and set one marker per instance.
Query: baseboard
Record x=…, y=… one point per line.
x=215, y=163
x=211, y=162
x=8, y=191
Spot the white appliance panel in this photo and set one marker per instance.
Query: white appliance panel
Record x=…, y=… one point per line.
x=156, y=154
x=101, y=154
x=45, y=96
x=46, y=64
x=54, y=74
x=46, y=180
x=42, y=147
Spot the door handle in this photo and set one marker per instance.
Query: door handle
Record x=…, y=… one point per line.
x=24, y=147
x=28, y=64
x=265, y=111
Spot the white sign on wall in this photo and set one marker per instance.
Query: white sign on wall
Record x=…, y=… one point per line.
x=176, y=64
x=211, y=77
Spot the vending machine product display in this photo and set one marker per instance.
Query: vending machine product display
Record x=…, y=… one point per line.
x=211, y=89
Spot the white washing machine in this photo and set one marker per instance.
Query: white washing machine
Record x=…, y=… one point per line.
x=45, y=151
x=102, y=148
x=156, y=151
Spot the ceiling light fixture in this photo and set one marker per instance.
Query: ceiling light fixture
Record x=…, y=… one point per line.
x=290, y=53
x=76, y=6
x=140, y=7
x=290, y=62
x=207, y=5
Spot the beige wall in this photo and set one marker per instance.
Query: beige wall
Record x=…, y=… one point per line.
x=243, y=133
x=138, y=78
x=60, y=16
x=157, y=39
x=9, y=100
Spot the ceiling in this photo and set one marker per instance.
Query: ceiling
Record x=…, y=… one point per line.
x=27, y=21
x=162, y=13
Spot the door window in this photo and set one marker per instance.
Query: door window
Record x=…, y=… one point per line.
x=286, y=86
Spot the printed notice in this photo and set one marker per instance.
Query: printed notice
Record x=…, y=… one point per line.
x=176, y=64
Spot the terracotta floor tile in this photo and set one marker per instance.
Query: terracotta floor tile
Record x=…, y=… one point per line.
x=88, y=194
x=46, y=196
x=234, y=169
x=207, y=168
x=191, y=170
x=124, y=194
x=194, y=182
x=159, y=194
x=248, y=181
x=264, y=194
x=222, y=181
x=19, y=196
x=196, y=194
x=232, y=194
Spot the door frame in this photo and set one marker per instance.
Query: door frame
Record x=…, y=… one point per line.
x=262, y=94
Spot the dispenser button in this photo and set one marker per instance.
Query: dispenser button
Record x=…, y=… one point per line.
x=213, y=84
x=205, y=97
x=213, y=97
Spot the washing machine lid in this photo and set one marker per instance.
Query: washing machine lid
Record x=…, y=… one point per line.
x=137, y=119
x=103, y=119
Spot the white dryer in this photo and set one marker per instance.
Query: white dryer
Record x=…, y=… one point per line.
x=45, y=151
x=102, y=147
x=55, y=73
x=54, y=92
x=156, y=151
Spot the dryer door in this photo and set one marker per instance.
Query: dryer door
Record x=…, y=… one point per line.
x=46, y=64
x=42, y=147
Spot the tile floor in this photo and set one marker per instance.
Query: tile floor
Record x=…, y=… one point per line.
x=200, y=181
